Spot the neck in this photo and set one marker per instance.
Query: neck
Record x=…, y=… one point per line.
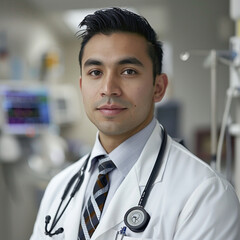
x=110, y=142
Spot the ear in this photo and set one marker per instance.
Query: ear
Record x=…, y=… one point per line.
x=80, y=83
x=160, y=86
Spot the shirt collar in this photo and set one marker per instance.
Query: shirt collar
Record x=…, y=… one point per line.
x=96, y=151
x=127, y=153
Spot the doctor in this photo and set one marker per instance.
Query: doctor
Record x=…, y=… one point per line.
x=121, y=79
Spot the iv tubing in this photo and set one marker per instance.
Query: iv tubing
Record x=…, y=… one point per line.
x=223, y=126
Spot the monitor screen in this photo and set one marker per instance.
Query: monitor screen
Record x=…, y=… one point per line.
x=25, y=110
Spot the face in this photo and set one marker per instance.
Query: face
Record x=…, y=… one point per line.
x=117, y=84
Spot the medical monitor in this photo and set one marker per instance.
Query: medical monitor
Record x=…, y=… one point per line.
x=24, y=110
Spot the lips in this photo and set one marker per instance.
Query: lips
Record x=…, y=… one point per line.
x=111, y=110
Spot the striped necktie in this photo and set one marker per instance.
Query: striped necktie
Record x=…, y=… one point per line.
x=93, y=209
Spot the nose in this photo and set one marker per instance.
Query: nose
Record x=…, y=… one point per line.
x=110, y=86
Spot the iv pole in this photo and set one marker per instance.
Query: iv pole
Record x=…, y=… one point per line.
x=213, y=56
x=225, y=57
x=213, y=82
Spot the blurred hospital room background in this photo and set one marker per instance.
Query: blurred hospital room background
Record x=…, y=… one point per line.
x=43, y=127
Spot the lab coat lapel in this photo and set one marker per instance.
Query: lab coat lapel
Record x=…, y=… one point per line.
x=149, y=155
x=73, y=213
x=128, y=194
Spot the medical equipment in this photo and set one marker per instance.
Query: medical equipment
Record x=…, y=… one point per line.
x=230, y=58
x=25, y=110
x=34, y=120
x=31, y=108
x=136, y=218
x=33, y=114
x=212, y=58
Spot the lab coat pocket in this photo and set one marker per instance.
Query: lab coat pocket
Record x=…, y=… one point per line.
x=114, y=235
x=120, y=237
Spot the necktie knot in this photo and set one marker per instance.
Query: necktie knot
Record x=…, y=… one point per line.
x=105, y=165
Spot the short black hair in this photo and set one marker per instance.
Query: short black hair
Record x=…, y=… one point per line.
x=111, y=20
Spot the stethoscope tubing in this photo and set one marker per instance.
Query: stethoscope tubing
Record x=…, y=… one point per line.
x=79, y=176
x=154, y=172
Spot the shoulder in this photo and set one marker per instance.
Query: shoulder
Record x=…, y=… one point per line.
x=184, y=161
x=194, y=179
x=203, y=195
x=52, y=196
x=68, y=172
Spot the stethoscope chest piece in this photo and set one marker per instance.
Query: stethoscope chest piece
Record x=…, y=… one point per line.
x=136, y=219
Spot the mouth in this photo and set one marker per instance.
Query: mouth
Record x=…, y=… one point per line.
x=111, y=110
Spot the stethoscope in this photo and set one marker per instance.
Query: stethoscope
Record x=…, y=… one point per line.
x=136, y=218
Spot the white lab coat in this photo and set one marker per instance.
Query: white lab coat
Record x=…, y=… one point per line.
x=188, y=201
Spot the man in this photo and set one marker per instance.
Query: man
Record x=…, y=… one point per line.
x=121, y=79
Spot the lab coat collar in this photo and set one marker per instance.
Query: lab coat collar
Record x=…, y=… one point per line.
x=149, y=155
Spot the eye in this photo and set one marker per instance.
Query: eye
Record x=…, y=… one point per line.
x=129, y=72
x=95, y=73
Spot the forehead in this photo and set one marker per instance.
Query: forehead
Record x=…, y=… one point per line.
x=116, y=45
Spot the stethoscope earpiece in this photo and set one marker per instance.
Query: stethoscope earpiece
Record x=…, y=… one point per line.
x=47, y=219
x=136, y=219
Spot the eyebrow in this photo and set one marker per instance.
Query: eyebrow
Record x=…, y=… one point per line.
x=127, y=60
x=91, y=62
x=130, y=60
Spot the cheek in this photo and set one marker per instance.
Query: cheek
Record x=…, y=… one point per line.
x=142, y=95
x=87, y=92
x=87, y=99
